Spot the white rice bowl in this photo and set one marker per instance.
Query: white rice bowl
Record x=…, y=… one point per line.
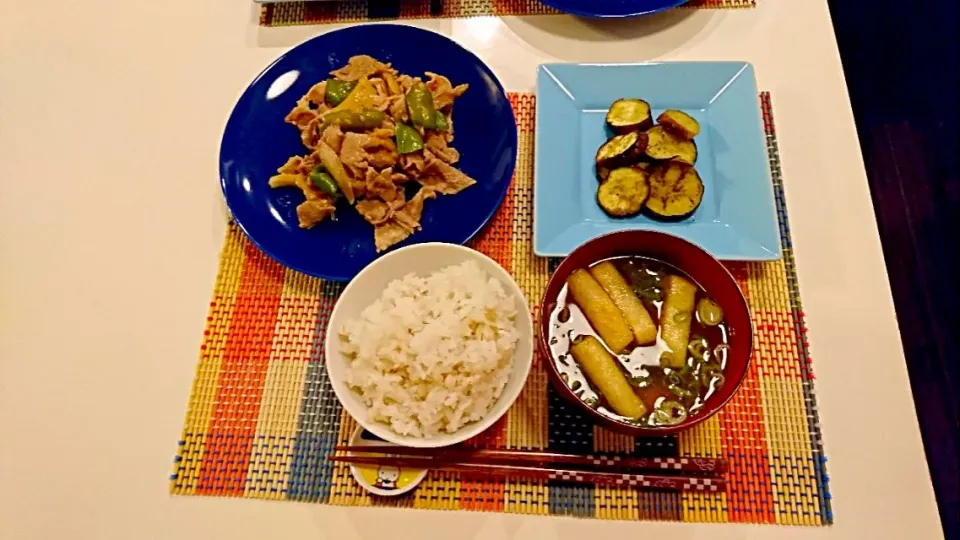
x=432, y=353
x=432, y=357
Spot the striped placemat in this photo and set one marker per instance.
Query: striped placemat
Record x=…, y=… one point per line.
x=297, y=13
x=263, y=418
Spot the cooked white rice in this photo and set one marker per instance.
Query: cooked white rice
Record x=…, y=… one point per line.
x=433, y=353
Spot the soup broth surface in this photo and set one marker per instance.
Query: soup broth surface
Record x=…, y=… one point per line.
x=660, y=388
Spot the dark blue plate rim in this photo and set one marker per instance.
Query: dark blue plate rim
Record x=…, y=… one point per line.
x=565, y=6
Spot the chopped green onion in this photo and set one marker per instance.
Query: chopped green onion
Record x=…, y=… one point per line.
x=710, y=372
x=720, y=352
x=697, y=347
x=680, y=392
x=709, y=312
x=665, y=359
x=649, y=294
x=670, y=413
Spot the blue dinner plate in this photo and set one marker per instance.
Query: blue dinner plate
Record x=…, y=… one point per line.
x=257, y=140
x=737, y=218
x=613, y=8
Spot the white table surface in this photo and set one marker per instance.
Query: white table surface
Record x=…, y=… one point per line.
x=111, y=221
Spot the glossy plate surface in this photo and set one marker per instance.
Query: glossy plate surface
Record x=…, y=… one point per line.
x=737, y=219
x=257, y=140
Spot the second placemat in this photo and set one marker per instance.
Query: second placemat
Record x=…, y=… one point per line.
x=299, y=13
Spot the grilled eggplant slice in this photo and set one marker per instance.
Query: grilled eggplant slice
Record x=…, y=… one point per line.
x=622, y=149
x=604, y=172
x=680, y=124
x=624, y=192
x=675, y=192
x=688, y=153
x=663, y=145
x=626, y=115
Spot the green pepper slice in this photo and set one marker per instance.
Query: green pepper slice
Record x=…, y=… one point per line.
x=337, y=91
x=347, y=119
x=408, y=139
x=420, y=106
x=442, y=124
x=325, y=182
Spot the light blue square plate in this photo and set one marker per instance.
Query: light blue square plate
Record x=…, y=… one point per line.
x=737, y=219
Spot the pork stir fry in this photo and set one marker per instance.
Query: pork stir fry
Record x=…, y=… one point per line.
x=378, y=140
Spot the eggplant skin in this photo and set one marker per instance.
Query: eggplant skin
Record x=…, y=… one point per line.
x=622, y=149
x=679, y=123
x=602, y=173
x=628, y=114
x=667, y=219
x=676, y=191
x=624, y=192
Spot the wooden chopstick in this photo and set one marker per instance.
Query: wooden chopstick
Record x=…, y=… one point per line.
x=640, y=481
x=539, y=457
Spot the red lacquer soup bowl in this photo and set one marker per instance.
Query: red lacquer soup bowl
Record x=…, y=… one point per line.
x=699, y=265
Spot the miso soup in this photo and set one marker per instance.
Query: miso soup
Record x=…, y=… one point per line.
x=639, y=341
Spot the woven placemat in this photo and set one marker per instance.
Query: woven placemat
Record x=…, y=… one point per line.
x=297, y=13
x=263, y=418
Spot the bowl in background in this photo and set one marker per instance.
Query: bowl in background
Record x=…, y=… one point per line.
x=707, y=271
x=613, y=8
x=422, y=259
